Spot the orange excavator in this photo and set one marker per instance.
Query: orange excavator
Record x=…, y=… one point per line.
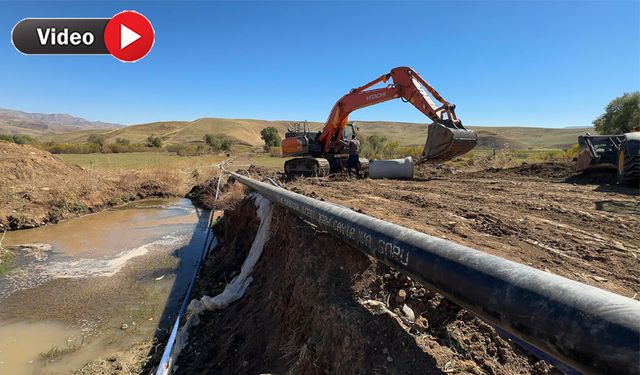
x=323, y=152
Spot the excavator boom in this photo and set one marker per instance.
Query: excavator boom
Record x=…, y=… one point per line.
x=446, y=136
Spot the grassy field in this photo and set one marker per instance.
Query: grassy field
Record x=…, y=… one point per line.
x=476, y=158
x=268, y=161
x=142, y=161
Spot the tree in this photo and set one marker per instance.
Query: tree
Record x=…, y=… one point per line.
x=271, y=137
x=98, y=139
x=621, y=115
x=122, y=141
x=154, y=141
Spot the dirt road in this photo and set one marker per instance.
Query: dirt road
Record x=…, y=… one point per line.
x=542, y=215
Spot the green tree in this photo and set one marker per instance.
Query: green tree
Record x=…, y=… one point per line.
x=621, y=115
x=123, y=141
x=98, y=139
x=153, y=141
x=271, y=137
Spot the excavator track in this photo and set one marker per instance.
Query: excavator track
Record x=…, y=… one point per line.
x=308, y=167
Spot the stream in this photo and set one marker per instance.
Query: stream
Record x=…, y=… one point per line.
x=96, y=285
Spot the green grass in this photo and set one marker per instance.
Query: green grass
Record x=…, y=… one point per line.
x=500, y=158
x=6, y=260
x=6, y=256
x=141, y=161
x=55, y=351
x=268, y=161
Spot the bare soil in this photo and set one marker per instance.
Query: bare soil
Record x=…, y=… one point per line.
x=37, y=187
x=305, y=311
x=580, y=226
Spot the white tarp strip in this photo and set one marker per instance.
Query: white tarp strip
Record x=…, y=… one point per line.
x=238, y=285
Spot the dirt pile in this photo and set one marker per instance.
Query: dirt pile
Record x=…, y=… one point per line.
x=544, y=171
x=203, y=195
x=38, y=188
x=305, y=312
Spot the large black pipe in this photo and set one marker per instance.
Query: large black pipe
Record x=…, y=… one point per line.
x=589, y=329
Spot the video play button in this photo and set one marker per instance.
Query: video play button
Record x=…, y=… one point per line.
x=129, y=36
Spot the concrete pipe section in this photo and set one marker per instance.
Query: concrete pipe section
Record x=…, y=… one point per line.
x=394, y=169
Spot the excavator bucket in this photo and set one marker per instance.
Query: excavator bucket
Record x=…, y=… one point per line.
x=445, y=143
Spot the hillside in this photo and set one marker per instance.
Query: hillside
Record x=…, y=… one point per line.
x=179, y=132
x=246, y=131
x=34, y=124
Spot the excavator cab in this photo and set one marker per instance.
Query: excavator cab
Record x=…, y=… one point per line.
x=349, y=130
x=445, y=141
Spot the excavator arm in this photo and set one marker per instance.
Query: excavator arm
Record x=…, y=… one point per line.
x=446, y=137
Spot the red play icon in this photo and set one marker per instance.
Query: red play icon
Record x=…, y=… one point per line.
x=129, y=36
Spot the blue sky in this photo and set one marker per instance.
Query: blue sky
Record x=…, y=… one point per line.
x=550, y=64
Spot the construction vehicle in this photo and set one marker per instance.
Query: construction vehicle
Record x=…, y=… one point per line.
x=620, y=153
x=321, y=153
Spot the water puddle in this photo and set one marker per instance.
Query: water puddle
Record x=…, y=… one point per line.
x=95, y=285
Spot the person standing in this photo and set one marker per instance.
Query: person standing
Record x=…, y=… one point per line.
x=354, y=156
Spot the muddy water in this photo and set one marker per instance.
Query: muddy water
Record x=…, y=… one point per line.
x=93, y=286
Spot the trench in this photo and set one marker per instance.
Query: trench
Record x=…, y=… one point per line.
x=308, y=299
x=97, y=286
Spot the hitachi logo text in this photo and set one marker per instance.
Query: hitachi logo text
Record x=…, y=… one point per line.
x=376, y=96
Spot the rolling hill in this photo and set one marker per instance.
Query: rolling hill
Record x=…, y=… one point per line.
x=246, y=131
x=34, y=124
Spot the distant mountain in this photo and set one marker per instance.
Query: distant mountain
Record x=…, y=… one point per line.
x=18, y=122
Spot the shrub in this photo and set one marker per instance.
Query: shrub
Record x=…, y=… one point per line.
x=271, y=137
x=70, y=148
x=217, y=142
x=378, y=146
x=155, y=142
x=20, y=139
x=98, y=139
x=188, y=150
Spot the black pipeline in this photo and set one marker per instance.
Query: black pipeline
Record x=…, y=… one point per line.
x=589, y=329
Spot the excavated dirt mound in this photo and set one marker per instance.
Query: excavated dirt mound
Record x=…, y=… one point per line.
x=548, y=171
x=38, y=188
x=304, y=313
